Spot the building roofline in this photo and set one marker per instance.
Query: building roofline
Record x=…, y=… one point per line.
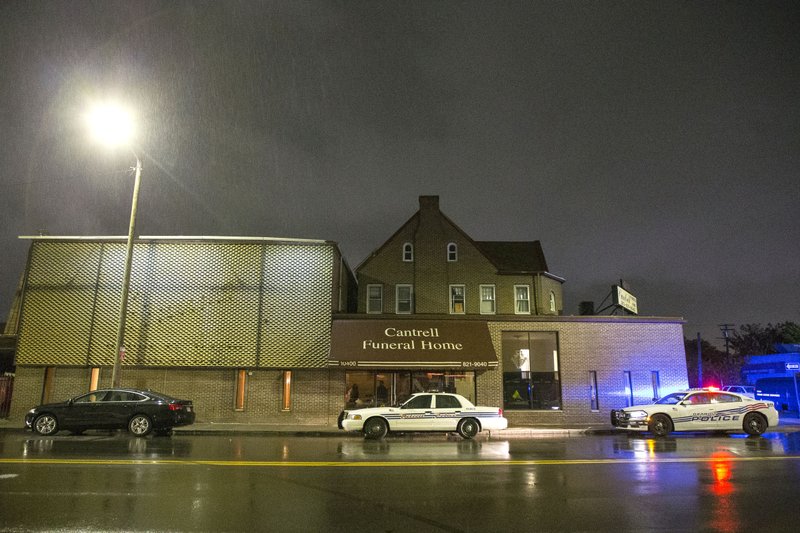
x=516, y=318
x=218, y=238
x=529, y=272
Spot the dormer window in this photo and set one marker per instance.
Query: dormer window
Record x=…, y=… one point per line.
x=408, y=252
x=552, y=302
x=452, y=252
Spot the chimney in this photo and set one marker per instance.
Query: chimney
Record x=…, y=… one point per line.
x=428, y=203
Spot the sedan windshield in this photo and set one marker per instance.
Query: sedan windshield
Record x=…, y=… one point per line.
x=671, y=399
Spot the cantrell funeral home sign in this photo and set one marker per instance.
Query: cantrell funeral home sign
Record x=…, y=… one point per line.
x=411, y=344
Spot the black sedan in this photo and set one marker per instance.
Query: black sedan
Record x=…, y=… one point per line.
x=140, y=411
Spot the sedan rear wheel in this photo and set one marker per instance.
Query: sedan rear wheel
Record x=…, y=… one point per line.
x=375, y=428
x=140, y=425
x=468, y=427
x=45, y=425
x=660, y=425
x=755, y=424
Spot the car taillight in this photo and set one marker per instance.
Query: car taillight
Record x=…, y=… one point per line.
x=501, y=412
x=175, y=406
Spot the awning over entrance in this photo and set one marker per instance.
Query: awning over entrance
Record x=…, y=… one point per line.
x=382, y=343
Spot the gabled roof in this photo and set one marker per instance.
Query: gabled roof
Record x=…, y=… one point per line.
x=514, y=257
x=508, y=257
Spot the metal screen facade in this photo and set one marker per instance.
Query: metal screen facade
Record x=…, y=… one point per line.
x=192, y=303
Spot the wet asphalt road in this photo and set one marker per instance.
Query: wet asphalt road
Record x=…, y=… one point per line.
x=113, y=482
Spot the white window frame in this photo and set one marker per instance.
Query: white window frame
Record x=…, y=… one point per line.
x=452, y=252
x=518, y=300
x=463, y=300
x=370, y=310
x=493, y=300
x=410, y=299
x=408, y=253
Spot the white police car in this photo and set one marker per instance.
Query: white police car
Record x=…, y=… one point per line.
x=424, y=412
x=696, y=410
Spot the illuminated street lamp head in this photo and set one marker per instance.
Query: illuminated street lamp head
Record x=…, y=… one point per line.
x=110, y=124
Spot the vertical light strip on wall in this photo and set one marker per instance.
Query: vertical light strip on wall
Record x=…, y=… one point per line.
x=654, y=377
x=286, y=404
x=241, y=384
x=593, y=392
x=94, y=378
x=47, y=386
x=628, y=387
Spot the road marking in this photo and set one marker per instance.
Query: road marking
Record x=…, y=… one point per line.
x=387, y=464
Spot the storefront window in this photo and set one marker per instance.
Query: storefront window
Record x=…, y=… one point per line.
x=531, y=379
x=371, y=388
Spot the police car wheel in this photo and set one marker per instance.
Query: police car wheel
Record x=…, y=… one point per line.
x=755, y=424
x=375, y=428
x=660, y=425
x=468, y=428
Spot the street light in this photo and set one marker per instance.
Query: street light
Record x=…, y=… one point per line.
x=112, y=125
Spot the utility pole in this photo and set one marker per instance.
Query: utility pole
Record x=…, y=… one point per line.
x=726, y=329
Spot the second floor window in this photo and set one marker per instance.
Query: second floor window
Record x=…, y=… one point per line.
x=404, y=299
x=487, y=300
x=522, y=300
x=552, y=302
x=408, y=252
x=452, y=252
x=374, y=298
x=457, y=299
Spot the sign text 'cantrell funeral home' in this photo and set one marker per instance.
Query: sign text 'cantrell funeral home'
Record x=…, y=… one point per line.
x=410, y=339
x=380, y=343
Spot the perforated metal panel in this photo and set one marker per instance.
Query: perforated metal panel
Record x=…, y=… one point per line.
x=210, y=304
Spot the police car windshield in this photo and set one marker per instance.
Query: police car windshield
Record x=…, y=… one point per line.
x=671, y=399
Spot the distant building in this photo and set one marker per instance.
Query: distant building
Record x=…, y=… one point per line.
x=775, y=376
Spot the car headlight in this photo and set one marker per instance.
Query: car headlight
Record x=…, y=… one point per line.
x=32, y=411
x=354, y=417
x=637, y=415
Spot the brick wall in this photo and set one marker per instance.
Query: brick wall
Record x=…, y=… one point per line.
x=316, y=394
x=431, y=274
x=608, y=346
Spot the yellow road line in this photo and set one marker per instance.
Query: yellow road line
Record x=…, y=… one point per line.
x=387, y=464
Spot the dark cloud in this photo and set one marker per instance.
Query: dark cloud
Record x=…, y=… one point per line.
x=656, y=142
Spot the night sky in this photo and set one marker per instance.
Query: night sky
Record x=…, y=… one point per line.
x=656, y=142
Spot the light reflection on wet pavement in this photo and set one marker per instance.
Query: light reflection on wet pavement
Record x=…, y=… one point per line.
x=238, y=482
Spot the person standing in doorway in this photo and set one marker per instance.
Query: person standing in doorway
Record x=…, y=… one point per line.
x=382, y=394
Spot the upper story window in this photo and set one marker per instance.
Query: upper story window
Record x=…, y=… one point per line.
x=404, y=299
x=522, y=300
x=487, y=300
x=457, y=301
x=374, y=298
x=552, y=302
x=408, y=252
x=452, y=252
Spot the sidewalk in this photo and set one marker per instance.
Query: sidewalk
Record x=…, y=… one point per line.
x=787, y=425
